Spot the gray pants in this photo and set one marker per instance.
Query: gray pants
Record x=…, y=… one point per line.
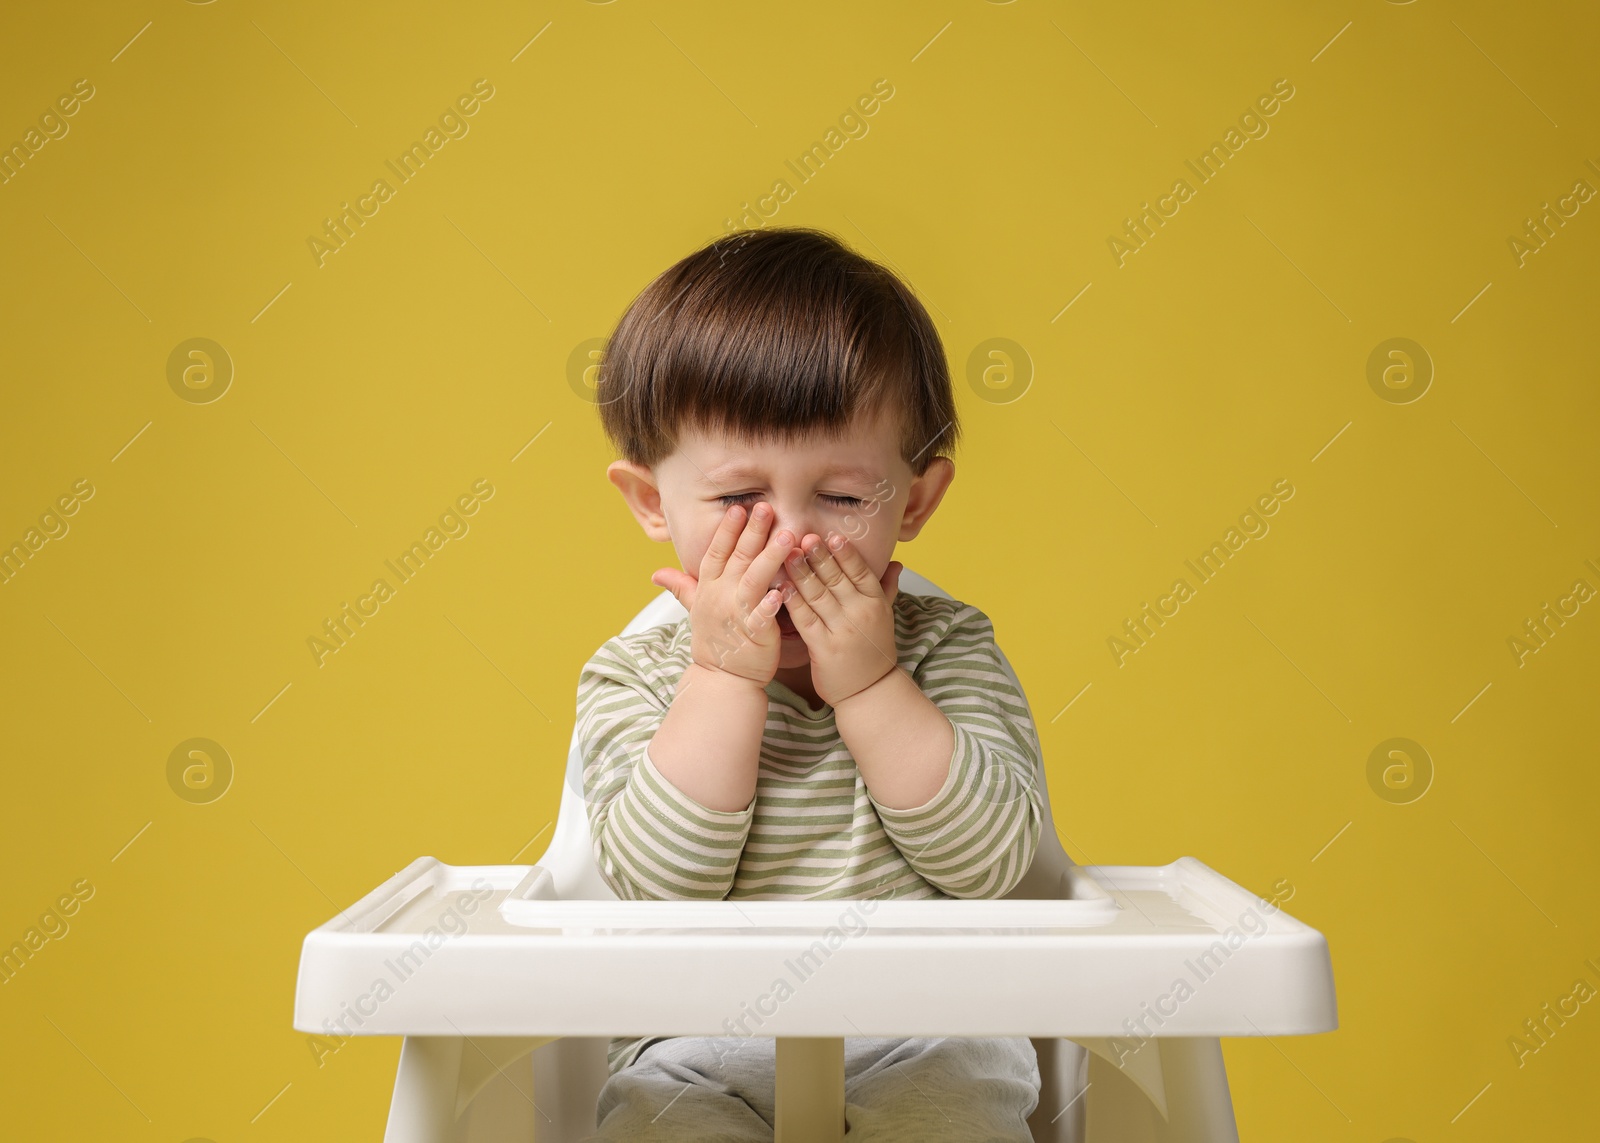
x=720, y=1089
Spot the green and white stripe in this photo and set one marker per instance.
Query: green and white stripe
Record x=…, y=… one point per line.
x=813, y=829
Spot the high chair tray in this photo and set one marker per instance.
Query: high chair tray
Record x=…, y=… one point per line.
x=1178, y=948
x=533, y=904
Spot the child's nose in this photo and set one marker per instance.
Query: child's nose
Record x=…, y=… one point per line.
x=799, y=526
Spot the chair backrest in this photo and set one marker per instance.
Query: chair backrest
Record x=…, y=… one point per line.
x=570, y=854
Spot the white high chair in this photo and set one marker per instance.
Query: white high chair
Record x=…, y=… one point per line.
x=1081, y=953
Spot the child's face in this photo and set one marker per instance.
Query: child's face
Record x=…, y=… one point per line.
x=684, y=498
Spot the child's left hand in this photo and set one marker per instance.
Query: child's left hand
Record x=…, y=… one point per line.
x=845, y=614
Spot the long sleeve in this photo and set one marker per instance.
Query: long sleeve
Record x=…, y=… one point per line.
x=977, y=836
x=651, y=840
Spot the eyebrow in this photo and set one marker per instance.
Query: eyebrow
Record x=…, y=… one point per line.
x=739, y=471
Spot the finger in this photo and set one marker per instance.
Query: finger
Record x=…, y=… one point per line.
x=815, y=593
x=680, y=584
x=822, y=562
x=752, y=540
x=891, y=579
x=722, y=542
x=804, y=617
x=853, y=565
x=761, y=615
x=764, y=567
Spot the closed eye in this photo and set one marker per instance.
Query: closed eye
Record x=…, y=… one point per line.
x=746, y=497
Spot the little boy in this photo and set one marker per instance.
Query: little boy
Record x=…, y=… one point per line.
x=783, y=409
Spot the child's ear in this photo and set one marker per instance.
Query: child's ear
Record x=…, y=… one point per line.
x=638, y=487
x=924, y=496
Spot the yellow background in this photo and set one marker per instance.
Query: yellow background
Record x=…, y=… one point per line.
x=430, y=350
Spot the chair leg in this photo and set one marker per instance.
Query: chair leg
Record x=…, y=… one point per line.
x=485, y=1057
x=809, y=1104
x=423, y=1106
x=1193, y=1085
x=568, y=1076
x=1200, y=1107
x=1061, y=1114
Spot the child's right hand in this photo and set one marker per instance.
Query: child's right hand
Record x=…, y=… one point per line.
x=731, y=605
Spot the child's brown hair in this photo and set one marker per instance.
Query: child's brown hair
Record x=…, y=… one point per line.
x=781, y=332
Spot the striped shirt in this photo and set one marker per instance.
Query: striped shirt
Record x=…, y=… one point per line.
x=813, y=829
